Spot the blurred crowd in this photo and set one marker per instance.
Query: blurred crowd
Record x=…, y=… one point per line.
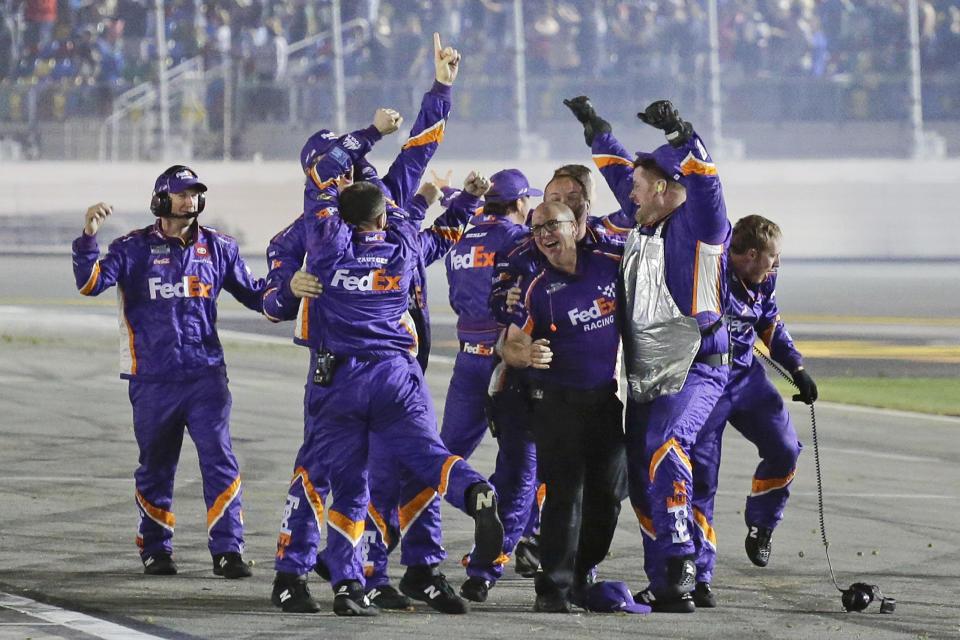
x=111, y=44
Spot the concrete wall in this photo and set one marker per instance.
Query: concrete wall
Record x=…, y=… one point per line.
x=827, y=208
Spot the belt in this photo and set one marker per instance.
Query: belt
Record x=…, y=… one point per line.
x=477, y=348
x=572, y=395
x=714, y=359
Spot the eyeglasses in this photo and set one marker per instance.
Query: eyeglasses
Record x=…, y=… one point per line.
x=549, y=226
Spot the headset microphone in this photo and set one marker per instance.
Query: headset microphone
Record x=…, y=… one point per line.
x=860, y=594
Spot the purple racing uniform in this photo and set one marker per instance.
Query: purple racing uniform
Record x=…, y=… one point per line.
x=172, y=356
x=756, y=409
x=684, y=257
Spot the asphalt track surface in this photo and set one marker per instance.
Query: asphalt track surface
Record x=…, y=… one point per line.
x=69, y=566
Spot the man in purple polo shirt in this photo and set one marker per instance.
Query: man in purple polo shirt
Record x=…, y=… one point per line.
x=570, y=340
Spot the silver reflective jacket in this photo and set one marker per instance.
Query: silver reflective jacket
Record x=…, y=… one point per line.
x=660, y=342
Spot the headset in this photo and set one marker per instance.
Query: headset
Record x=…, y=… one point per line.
x=858, y=595
x=160, y=203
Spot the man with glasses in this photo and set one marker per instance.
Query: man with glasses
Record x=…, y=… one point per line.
x=515, y=477
x=567, y=336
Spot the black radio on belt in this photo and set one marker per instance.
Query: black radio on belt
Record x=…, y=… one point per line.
x=326, y=365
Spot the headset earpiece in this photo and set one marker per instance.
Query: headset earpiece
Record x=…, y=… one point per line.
x=160, y=204
x=659, y=187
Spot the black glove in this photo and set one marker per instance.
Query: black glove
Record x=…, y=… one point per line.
x=592, y=123
x=806, y=385
x=662, y=115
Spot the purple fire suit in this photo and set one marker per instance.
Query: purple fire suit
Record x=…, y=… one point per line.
x=172, y=357
x=756, y=409
x=661, y=433
x=398, y=502
x=378, y=388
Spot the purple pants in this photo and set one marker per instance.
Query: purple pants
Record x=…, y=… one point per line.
x=755, y=408
x=382, y=397
x=161, y=411
x=660, y=437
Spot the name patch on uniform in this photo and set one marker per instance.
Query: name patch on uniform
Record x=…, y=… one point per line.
x=159, y=249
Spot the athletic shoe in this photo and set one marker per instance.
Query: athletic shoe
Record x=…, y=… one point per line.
x=427, y=584
x=475, y=589
x=703, y=596
x=291, y=594
x=230, y=565
x=322, y=569
x=526, y=555
x=159, y=564
x=677, y=604
x=350, y=600
x=488, y=530
x=681, y=576
x=386, y=597
x=758, y=545
x=551, y=603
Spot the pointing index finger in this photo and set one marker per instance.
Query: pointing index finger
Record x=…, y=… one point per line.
x=436, y=44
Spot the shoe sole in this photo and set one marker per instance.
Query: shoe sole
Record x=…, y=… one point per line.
x=348, y=608
x=487, y=535
x=421, y=596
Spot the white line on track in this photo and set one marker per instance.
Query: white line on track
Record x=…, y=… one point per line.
x=71, y=619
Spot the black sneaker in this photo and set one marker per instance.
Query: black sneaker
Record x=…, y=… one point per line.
x=386, y=597
x=488, y=530
x=291, y=594
x=427, y=584
x=551, y=603
x=159, y=564
x=475, y=589
x=230, y=565
x=758, y=545
x=681, y=576
x=322, y=569
x=526, y=555
x=703, y=596
x=350, y=600
x=677, y=604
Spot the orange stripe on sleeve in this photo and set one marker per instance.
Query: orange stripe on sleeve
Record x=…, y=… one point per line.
x=541, y=494
x=445, y=474
x=693, y=165
x=431, y=134
x=92, y=280
x=767, y=334
x=605, y=160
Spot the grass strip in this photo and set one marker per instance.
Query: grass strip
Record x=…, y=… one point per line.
x=939, y=396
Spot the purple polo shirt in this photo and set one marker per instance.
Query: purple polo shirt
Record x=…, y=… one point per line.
x=577, y=314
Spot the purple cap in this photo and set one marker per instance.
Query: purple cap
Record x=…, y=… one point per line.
x=508, y=185
x=611, y=597
x=665, y=157
x=317, y=144
x=177, y=179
